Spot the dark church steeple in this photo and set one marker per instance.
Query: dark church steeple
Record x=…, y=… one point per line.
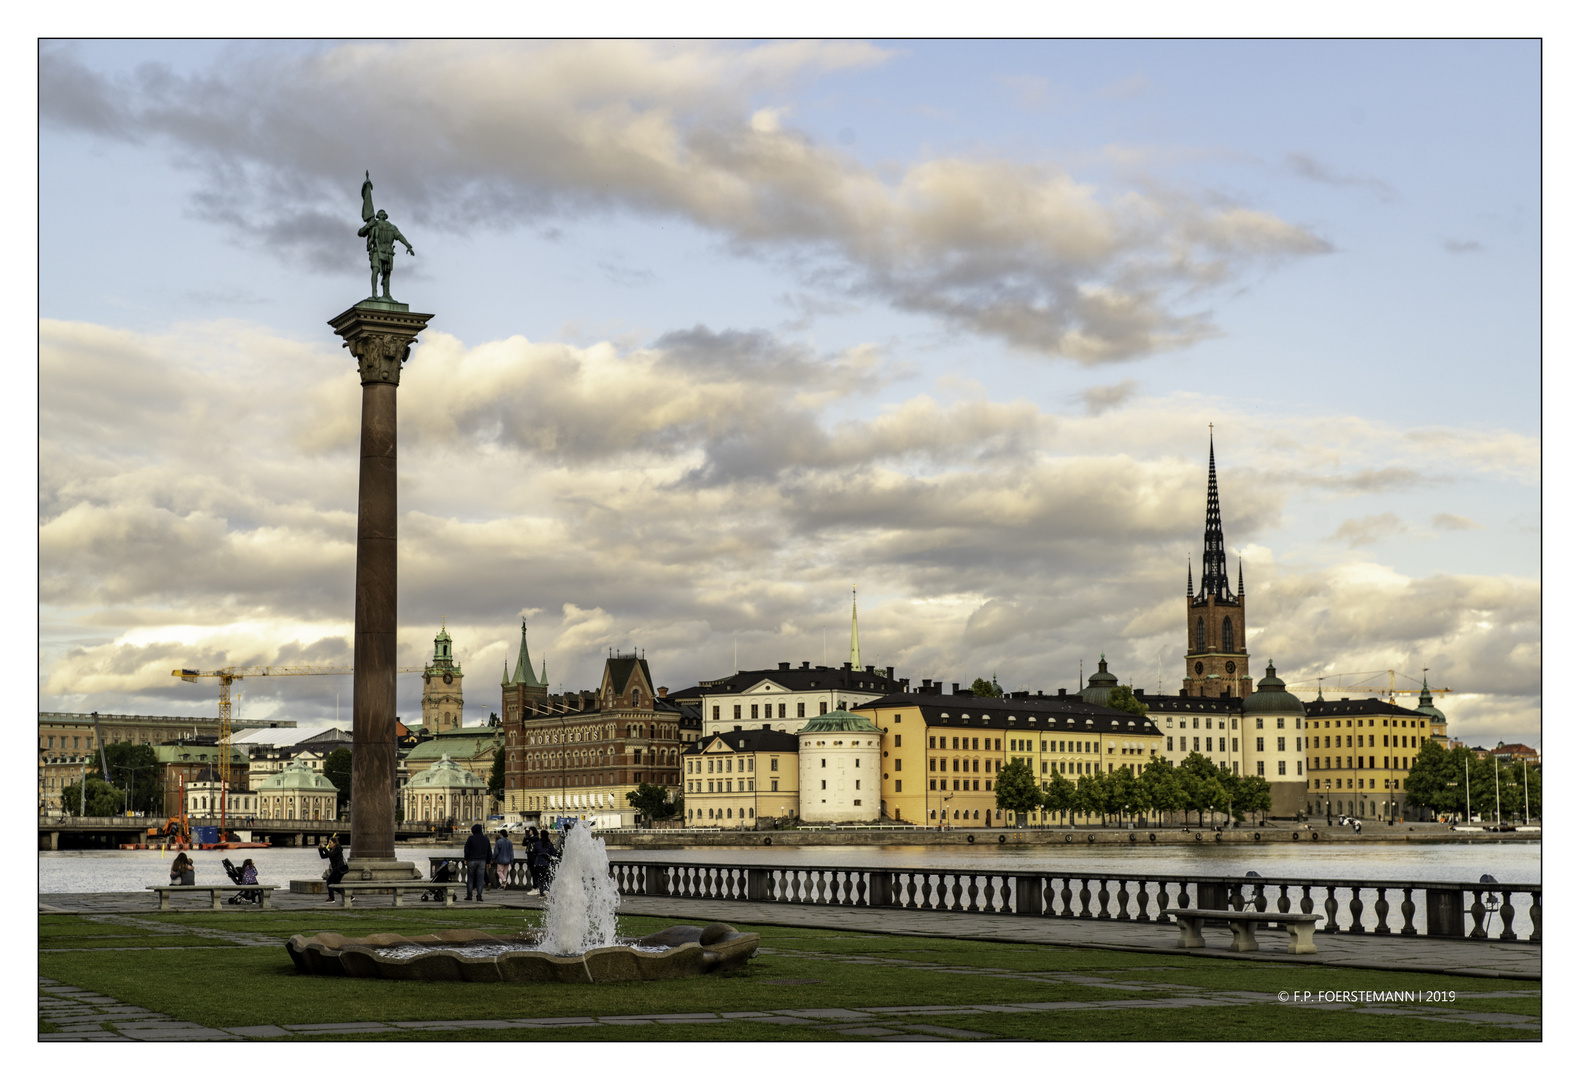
x=1214, y=564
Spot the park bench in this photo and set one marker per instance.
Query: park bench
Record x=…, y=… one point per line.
x=398, y=889
x=214, y=892
x=1243, y=925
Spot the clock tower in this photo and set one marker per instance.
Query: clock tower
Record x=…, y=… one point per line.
x=1215, y=656
x=441, y=688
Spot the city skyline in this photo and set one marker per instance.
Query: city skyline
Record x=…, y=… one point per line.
x=724, y=328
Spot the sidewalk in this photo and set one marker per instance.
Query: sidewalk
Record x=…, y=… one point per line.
x=1512, y=960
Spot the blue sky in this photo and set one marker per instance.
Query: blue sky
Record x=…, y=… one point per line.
x=723, y=328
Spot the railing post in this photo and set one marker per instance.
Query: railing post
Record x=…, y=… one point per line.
x=756, y=884
x=880, y=888
x=1445, y=913
x=1536, y=916
x=1478, y=917
x=1028, y=895
x=1330, y=907
x=655, y=880
x=1506, y=913
x=1381, y=907
x=1407, y=910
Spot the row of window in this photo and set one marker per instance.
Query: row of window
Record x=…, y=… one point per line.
x=959, y=785
x=1400, y=763
x=768, y=710
x=1350, y=782
x=727, y=764
x=961, y=765
x=725, y=814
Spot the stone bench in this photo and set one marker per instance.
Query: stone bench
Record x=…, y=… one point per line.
x=214, y=891
x=1243, y=925
x=397, y=888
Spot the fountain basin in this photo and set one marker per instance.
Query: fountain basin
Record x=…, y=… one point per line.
x=679, y=952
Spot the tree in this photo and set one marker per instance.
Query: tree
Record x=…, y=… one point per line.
x=103, y=800
x=987, y=688
x=1247, y=794
x=1437, y=780
x=136, y=766
x=496, y=778
x=493, y=719
x=1202, y=787
x=1127, y=791
x=1094, y=794
x=652, y=801
x=1015, y=788
x=1165, y=792
x=1121, y=697
x=1058, y=794
x=337, y=770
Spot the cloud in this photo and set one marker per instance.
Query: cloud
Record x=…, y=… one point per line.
x=1369, y=529
x=1453, y=523
x=1030, y=92
x=1462, y=247
x=673, y=495
x=1126, y=89
x=1309, y=168
x=1099, y=399
x=475, y=135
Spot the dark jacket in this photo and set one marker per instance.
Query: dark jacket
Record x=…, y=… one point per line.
x=477, y=849
x=336, y=856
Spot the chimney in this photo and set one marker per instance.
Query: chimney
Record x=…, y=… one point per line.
x=1061, y=691
x=956, y=688
x=784, y=665
x=663, y=691
x=871, y=669
x=805, y=664
x=888, y=673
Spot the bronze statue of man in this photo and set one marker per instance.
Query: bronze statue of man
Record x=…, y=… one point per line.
x=381, y=235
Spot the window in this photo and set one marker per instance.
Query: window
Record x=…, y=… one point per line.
x=1195, y=721
x=1258, y=723
x=1280, y=723
x=1197, y=743
x=773, y=785
x=1171, y=743
x=932, y=742
x=1280, y=768
x=1280, y=742
x=1261, y=768
x=754, y=712
x=737, y=712
x=956, y=745
x=1201, y=635
x=896, y=737
x=1234, y=744
x=858, y=763
x=822, y=763
x=974, y=745
x=1300, y=769
x=858, y=785
x=897, y=764
x=822, y=707
x=825, y=785
x=800, y=708
x=897, y=787
x=1259, y=744
x=773, y=764
x=1228, y=635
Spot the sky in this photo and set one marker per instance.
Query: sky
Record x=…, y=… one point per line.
x=724, y=329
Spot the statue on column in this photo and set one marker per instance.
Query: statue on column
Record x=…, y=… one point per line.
x=381, y=235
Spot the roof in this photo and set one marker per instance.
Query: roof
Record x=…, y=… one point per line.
x=801, y=679
x=1358, y=706
x=620, y=670
x=445, y=773
x=463, y=742
x=1184, y=703
x=1101, y=683
x=750, y=740
x=836, y=721
x=297, y=776
x=525, y=676
x=1270, y=696
x=195, y=755
x=1030, y=713
x=292, y=736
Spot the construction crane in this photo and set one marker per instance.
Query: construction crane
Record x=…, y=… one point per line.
x=228, y=675
x=1391, y=690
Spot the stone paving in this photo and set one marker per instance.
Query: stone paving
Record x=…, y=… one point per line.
x=1512, y=960
x=86, y=1016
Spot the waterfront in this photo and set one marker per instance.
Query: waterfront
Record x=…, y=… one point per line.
x=1513, y=862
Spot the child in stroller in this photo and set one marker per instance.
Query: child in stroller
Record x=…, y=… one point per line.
x=245, y=874
x=442, y=872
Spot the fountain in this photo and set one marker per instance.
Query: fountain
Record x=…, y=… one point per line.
x=576, y=945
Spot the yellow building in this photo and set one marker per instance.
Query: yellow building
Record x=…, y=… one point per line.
x=1359, y=754
x=737, y=778
x=960, y=743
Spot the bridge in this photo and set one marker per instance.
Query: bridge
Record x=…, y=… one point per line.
x=56, y=833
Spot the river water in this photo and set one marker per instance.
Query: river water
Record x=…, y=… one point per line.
x=1511, y=862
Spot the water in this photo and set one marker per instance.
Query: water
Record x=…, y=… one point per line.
x=1516, y=862
x=580, y=912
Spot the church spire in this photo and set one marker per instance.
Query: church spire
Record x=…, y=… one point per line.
x=525, y=676
x=1242, y=579
x=1214, y=565
x=1190, y=588
x=855, y=641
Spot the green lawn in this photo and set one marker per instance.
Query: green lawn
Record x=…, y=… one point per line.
x=162, y=964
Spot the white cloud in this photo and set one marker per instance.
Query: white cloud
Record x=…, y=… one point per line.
x=476, y=134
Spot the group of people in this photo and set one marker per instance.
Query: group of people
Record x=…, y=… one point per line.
x=483, y=860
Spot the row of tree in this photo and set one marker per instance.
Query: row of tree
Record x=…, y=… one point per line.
x=135, y=783
x=1157, y=788
x=1438, y=779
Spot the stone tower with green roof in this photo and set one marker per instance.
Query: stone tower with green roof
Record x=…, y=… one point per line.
x=442, y=702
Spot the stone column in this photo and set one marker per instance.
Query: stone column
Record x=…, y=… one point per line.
x=380, y=334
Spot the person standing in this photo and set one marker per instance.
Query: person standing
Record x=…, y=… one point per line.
x=542, y=854
x=476, y=855
x=504, y=855
x=332, y=851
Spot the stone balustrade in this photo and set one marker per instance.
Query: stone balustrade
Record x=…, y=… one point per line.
x=1495, y=912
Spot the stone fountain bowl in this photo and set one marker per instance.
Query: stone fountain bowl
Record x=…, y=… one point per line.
x=688, y=951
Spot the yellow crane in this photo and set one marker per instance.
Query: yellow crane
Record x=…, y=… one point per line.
x=228, y=675
x=1391, y=690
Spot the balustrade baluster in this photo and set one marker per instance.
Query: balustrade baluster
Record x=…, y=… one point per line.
x=1141, y=902
x=1283, y=899
x=958, y=889
x=1506, y=912
x=1381, y=907
x=1259, y=897
x=864, y=889
x=1102, y=899
x=1124, y=901
x=972, y=904
x=1356, y=907
x=1065, y=894
x=1536, y=916
x=1478, y=917
x=1407, y=911
x=1307, y=905
x=1331, y=907
x=1047, y=895
x=1236, y=901
x=1086, y=900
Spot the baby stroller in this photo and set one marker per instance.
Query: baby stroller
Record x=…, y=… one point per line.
x=442, y=873
x=248, y=897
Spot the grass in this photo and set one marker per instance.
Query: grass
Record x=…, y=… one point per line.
x=162, y=965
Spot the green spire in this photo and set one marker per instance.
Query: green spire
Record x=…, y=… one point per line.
x=505, y=680
x=855, y=641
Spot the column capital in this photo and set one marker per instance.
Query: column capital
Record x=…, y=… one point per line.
x=380, y=334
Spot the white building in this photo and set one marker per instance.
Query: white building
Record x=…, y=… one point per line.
x=840, y=762
x=445, y=792
x=297, y=793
